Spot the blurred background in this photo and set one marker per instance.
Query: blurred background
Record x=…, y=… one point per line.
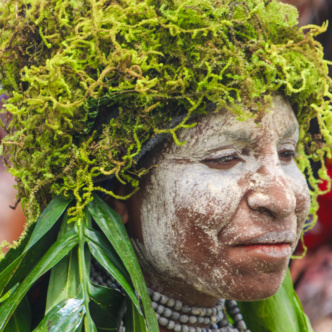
x=312, y=275
x=11, y=220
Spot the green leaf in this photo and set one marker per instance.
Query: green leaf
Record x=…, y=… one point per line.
x=66, y=316
x=9, y=293
x=106, y=307
x=280, y=313
x=55, y=253
x=21, y=319
x=64, y=279
x=112, y=226
x=22, y=266
x=134, y=320
x=12, y=260
x=100, y=240
x=89, y=324
x=15, y=266
x=48, y=218
x=102, y=252
x=84, y=260
x=14, y=253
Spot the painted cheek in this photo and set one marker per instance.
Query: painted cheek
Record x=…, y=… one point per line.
x=297, y=182
x=209, y=193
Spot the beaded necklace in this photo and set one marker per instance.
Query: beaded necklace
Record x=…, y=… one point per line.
x=175, y=316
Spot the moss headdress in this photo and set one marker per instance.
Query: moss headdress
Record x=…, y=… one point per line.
x=69, y=65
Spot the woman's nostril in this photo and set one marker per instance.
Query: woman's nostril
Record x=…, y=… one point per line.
x=274, y=201
x=264, y=210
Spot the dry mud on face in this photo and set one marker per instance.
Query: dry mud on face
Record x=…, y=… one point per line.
x=233, y=182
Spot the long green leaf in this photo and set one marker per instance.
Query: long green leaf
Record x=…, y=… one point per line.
x=21, y=319
x=64, y=279
x=280, y=313
x=84, y=261
x=102, y=258
x=106, y=307
x=14, y=253
x=14, y=267
x=67, y=316
x=100, y=240
x=134, y=320
x=56, y=252
x=12, y=260
x=112, y=226
x=48, y=218
x=22, y=266
x=105, y=256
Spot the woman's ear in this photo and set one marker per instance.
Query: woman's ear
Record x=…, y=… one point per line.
x=120, y=206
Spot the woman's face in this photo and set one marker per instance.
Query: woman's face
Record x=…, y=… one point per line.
x=221, y=215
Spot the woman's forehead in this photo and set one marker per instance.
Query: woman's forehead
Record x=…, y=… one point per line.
x=222, y=126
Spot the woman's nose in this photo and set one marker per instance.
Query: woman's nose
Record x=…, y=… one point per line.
x=271, y=193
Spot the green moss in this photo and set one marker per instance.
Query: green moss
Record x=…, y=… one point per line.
x=62, y=61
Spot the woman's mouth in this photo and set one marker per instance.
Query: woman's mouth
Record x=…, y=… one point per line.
x=276, y=250
x=270, y=245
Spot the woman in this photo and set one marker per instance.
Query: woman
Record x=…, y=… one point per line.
x=200, y=104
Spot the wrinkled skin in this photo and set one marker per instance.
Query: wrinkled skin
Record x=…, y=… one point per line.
x=221, y=215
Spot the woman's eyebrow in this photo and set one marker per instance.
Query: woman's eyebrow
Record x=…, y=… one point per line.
x=239, y=135
x=290, y=131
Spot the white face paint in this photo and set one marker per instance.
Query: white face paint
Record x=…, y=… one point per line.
x=221, y=215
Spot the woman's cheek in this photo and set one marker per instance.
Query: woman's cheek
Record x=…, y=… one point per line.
x=210, y=197
x=300, y=188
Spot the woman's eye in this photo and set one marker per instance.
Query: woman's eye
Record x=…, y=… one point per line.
x=287, y=155
x=224, y=162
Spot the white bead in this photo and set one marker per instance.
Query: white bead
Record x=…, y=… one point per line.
x=238, y=317
x=177, y=328
x=175, y=315
x=154, y=305
x=241, y=325
x=231, y=304
x=167, y=312
x=186, y=309
x=178, y=305
x=160, y=309
x=195, y=311
x=171, y=303
x=184, y=319
x=163, y=299
x=163, y=321
x=203, y=312
x=192, y=319
x=206, y=320
x=156, y=296
x=170, y=325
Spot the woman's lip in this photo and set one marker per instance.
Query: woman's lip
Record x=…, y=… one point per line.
x=273, y=250
x=268, y=238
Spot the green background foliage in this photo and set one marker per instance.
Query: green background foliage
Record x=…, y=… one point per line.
x=63, y=63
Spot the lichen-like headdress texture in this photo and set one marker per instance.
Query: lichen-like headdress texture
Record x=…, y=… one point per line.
x=64, y=62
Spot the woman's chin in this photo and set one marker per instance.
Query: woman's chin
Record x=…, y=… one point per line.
x=258, y=288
